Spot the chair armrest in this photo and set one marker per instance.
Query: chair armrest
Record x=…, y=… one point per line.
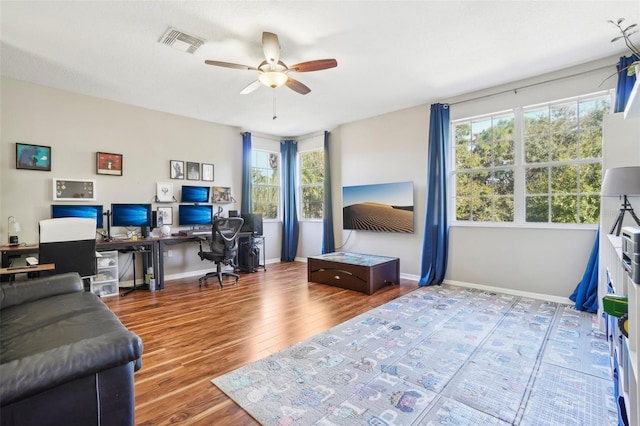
x=17, y=293
x=45, y=370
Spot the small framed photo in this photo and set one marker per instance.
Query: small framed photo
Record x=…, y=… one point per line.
x=74, y=189
x=164, y=192
x=166, y=213
x=222, y=194
x=207, y=172
x=193, y=171
x=33, y=157
x=108, y=164
x=176, y=169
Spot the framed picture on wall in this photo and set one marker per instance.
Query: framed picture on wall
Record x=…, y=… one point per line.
x=193, y=171
x=33, y=157
x=108, y=164
x=207, y=172
x=176, y=169
x=164, y=192
x=222, y=194
x=74, y=189
x=166, y=213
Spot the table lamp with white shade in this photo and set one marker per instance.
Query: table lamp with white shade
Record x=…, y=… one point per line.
x=622, y=182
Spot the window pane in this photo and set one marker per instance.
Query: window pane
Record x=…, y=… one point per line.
x=591, y=143
x=504, y=153
x=590, y=178
x=564, y=147
x=564, y=209
x=537, y=180
x=590, y=209
x=463, y=208
x=265, y=183
x=563, y=117
x=537, y=209
x=504, y=208
x=463, y=184
x=536, y=149
x=503, y=182
x=564, y=180
x=462, y=134
x=536, y=122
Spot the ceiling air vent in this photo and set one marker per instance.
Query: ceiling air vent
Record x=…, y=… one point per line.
x=181, y=41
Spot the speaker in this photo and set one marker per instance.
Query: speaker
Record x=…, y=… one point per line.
x=233, y=213
x=156, y=219
x=252, y=223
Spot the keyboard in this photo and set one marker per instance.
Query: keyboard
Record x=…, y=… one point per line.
x=196, y=233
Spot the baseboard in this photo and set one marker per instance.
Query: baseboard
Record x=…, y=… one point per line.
x=540, y=296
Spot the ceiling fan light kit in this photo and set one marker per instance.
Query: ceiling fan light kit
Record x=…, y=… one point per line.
x=273, y=72
x=273, y=79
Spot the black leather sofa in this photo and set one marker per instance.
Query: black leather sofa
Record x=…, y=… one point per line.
x=65, y=358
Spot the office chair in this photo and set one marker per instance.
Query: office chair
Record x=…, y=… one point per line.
x=223, y=247
x=69, y=243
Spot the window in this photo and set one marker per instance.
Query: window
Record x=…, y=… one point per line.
x=265, y=179
x=538, y=164
x=311, y=184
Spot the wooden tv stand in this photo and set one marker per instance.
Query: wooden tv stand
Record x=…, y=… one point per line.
x=354, y=271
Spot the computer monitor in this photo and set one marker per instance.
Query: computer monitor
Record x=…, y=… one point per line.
x=195, y=214
x=252, y=223
x=82, y=211
x=127, y=215
x=195, y=194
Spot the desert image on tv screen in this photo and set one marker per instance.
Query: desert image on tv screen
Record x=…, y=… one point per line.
x=386, y=207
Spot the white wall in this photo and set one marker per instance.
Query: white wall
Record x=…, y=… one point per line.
x=77, y=126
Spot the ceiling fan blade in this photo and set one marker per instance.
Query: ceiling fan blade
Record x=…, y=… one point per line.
x=296, y=86
x=271, y=48
x=230, y=65
x=317, y=65
x=251, y=87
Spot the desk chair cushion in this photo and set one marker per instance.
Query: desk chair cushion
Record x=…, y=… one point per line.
x=223, y=246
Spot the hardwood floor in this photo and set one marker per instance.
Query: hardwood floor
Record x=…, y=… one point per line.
x=194, y=334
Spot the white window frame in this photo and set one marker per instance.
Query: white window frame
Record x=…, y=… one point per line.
x=519, y=191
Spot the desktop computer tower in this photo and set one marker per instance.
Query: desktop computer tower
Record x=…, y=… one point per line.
x=252, y=223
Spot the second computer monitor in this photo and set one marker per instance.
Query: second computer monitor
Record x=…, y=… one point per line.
x=195, y=214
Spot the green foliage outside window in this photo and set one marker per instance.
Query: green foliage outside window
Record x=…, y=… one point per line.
x=312, y=184
x=265, y=176
x=561, y=147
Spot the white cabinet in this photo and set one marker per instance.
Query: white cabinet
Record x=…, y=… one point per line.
x=105, y=282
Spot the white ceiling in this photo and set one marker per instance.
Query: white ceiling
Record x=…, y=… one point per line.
x=391, y=54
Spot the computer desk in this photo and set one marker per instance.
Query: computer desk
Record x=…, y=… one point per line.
x=152, y=249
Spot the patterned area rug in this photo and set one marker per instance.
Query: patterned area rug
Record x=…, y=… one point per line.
x=439, y=355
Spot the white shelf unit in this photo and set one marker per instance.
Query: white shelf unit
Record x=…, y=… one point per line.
x=105, y=283
x=620, y=148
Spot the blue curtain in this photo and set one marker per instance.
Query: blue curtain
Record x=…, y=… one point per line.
x=625, y=83
x=246, y=206
x=586, y=293
x=290, y=226
x=328, y=243
x=436, y=229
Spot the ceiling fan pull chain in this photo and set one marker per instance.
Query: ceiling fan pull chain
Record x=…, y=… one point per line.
x=274, y=104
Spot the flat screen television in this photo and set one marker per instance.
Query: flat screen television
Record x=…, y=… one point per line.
x=195, y=194
x=195, y=214
x=386, y=207
x=124, y=214
x=252, y=223
x=82, y=211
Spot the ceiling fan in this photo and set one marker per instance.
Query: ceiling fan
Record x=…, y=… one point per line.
x=273, y=72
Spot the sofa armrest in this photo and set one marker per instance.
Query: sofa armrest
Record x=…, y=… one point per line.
x=21, y=292
x=41, y=371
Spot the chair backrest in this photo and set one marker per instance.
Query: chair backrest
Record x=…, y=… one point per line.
x=70, y=243
x=224, y=238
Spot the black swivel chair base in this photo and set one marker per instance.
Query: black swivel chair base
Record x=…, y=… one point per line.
x=218, y=274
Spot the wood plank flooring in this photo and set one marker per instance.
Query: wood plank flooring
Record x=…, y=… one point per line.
x=194, y=334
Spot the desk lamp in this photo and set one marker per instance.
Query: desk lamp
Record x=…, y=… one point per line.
x=622, y=182
x=14, y=228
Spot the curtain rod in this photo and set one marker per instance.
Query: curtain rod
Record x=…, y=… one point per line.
x=515, y=90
